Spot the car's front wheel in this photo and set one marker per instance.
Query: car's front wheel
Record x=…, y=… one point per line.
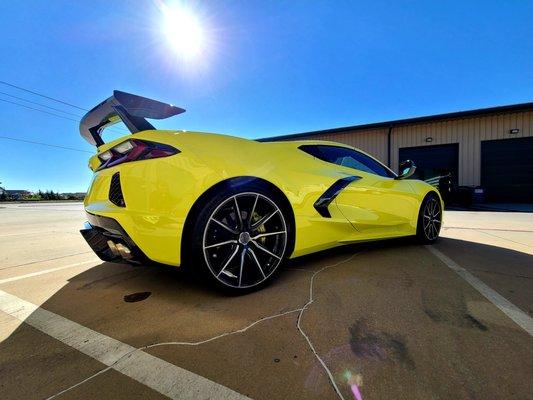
x=241, y=238
x=429, y=219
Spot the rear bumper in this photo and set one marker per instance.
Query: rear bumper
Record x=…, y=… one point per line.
x=110, y=241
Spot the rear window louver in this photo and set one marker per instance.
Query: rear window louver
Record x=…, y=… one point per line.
x=115, y=191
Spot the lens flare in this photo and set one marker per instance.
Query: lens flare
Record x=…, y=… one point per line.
x=355, y=381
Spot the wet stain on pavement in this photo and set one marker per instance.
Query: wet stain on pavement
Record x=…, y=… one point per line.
x=134, y=297
x=449, y=310
x=475, y=323
x=382, y=346
x=462, y=320
x=435, y=316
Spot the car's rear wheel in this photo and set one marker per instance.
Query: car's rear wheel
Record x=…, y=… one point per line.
x=241, y=238
x=429, y=219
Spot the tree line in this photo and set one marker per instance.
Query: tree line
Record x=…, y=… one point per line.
x=40, y=195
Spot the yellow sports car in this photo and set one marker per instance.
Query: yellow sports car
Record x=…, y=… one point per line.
x=233, y=208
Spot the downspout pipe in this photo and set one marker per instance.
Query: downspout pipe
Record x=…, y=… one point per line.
x=389, y=139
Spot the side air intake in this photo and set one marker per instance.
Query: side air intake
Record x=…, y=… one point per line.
x=115, y=191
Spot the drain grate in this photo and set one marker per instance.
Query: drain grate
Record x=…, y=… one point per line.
x=139, y=296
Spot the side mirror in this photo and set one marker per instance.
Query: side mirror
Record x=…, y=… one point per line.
x=407, y=169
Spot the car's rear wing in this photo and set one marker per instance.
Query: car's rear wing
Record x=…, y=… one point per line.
x=128, y=108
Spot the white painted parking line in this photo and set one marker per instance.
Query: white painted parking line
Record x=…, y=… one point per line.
x=45, y=271
x=517, y=315
x=41, y=233
x=23, y=233
x=162, y=376
x=49, y=259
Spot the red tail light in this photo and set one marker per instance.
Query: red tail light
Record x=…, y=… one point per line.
x=135, y=150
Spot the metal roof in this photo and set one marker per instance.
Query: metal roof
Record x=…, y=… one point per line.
x=407, y=121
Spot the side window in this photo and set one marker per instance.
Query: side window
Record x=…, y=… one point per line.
x=347, y=158
x=373, y=165
x=312, y=150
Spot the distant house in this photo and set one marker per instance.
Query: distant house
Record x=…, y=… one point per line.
x=17, y=194
x=74, y=196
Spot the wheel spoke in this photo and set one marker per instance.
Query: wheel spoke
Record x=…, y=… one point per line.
x=227, y=273
x=268, y=234
x=263, y=220
x=265, y=250
x=253, y=210
x=238, y=211
x=257, y=262
x=427, y=229
x=223, y=225
x=242, y=265
x=229, y=260
x=221, y=244
x=428, y=224
x=434, y=230
x=433, y=207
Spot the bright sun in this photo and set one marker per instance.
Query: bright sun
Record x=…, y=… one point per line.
x=183, y=31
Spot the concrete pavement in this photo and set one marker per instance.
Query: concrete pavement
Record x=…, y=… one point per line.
x=389, y=318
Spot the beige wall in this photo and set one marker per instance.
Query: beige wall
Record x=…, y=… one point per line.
x=468, y=132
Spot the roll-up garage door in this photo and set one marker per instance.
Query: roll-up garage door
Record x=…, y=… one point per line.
x=433, y=161
x=507, y=169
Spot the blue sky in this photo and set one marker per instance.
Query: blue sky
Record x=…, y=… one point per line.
x=269, y=68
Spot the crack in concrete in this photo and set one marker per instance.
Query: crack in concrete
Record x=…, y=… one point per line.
x=298, y=269
x=222, y=334
x=300, y=311
x=487, y=229
x=49, y=259
x=311, y=346
x=500, y=237
x=483, y=230
x=269, y=317
x=82, y=382
x=501, y=273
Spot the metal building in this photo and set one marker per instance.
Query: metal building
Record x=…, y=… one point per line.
x=491, y=147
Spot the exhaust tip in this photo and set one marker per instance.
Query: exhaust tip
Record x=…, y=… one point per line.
x=124, y=251
x=119, y=250
x=113, y=248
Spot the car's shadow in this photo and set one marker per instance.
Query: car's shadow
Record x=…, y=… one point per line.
x=145, y=305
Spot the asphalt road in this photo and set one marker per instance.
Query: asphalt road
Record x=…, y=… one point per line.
x=387, y=320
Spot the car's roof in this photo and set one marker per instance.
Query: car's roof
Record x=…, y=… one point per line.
x=297, y=143
x=287, y=143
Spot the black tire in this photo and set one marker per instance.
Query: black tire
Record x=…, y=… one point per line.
x=251, y=249
x=429, y=220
